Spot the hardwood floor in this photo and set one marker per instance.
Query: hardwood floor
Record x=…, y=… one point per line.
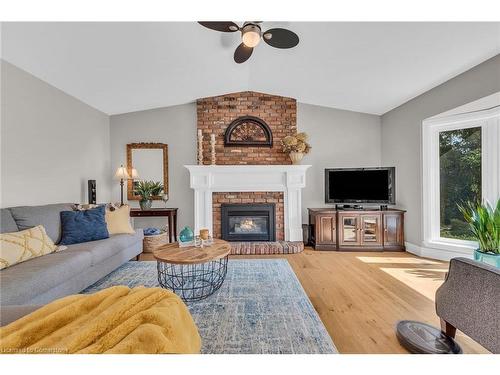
x=361, y=296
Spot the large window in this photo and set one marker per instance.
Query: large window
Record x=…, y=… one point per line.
x=460, y=164
x=459, y=178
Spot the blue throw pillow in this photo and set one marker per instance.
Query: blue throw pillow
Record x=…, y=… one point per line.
x=83, y=226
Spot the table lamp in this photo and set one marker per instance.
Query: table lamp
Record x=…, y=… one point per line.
x=134, y=174
x=122, y=175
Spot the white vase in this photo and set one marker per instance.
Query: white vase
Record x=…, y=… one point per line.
x=296, y=157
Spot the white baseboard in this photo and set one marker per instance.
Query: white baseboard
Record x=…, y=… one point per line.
x=438, y=254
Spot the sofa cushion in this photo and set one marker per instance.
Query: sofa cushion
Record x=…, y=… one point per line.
x=83, y=226
x=7, y=223
x=48, y=215
x=103, y=249
x=39, y=275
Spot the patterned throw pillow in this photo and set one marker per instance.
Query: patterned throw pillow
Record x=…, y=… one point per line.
x=26, y=244
x=83, y=207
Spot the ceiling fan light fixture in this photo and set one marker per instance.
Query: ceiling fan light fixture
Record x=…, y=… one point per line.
x=250, y=35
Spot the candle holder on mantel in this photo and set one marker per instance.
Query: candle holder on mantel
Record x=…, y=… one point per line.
x=200, y=147
x=212, y=148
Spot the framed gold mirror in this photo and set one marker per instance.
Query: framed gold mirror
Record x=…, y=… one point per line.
x=150, y=162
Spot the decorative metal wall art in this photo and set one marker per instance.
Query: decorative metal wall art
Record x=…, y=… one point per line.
x=248, y=131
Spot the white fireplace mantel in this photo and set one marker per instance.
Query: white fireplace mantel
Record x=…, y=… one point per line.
x=290, y=179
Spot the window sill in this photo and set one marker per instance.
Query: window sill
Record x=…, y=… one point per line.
x=455, y=246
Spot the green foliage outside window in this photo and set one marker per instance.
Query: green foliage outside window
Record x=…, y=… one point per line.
x=460, y=179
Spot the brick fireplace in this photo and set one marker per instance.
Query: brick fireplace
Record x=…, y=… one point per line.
x=231, y=182
x=249, y=173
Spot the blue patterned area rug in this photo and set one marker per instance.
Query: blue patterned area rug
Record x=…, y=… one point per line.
x=260, y=308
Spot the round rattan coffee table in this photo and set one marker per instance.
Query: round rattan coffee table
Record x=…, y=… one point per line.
x=193, y=273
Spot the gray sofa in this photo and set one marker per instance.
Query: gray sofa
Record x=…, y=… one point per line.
x=43, y=279
x=469, y=300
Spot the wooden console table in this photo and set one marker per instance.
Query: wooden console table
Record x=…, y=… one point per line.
x=169, y=213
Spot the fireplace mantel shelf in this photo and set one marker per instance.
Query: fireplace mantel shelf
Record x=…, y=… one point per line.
x=280, y=167
x=290, y=179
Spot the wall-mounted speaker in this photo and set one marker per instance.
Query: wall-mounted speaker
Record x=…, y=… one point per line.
x=92, y=191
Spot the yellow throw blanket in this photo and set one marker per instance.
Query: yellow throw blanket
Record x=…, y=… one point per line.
x=114, y=320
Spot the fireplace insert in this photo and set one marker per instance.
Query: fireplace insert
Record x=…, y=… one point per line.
x=248, y=222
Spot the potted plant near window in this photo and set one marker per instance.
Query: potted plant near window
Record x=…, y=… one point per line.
x=484, y=223
x=147, y=190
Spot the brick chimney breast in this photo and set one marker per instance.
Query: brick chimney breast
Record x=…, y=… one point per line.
x=217, y=112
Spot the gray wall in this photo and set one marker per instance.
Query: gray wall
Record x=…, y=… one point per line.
x=401, y=134
x=51, y=143
x=175, y=126
x=338, y=139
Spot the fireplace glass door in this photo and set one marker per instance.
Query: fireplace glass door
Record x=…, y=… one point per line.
x=249, y=225
x=248, y=222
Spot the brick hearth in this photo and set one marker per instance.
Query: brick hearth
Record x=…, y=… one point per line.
x=266, y=248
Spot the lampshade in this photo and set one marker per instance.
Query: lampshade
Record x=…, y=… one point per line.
x=134, y=174
x=121, y=173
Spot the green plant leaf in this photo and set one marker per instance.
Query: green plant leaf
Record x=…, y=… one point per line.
x=484, y=224
x=148, y=189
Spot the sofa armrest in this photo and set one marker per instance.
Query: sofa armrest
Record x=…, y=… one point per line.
x=469, y=300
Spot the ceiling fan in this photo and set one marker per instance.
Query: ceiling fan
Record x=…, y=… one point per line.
x=251, y=34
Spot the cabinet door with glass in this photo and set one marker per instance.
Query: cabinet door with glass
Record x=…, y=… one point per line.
x=371, y=230
x=349, y=229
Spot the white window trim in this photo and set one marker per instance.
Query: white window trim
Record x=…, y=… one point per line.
x=489, y=120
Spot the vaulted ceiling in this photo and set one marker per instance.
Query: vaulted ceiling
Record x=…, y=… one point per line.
x=365, y=67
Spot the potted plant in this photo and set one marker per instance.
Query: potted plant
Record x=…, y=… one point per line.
x=296, y=146
x=147, y=190
x=484, y=223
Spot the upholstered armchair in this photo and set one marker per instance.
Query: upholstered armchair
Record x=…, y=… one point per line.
x=469, y=300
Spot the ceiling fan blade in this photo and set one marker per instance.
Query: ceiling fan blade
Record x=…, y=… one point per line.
x=242, y=53
x=281, y=38
x=224, y=26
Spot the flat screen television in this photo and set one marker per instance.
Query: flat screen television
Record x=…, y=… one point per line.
x=360, y=185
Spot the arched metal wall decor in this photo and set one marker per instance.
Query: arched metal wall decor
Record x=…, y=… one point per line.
x=248, y=131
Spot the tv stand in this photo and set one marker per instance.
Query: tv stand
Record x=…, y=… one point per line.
x=365, y=229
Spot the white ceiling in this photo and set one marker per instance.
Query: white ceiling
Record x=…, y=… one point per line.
x=366, y=67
